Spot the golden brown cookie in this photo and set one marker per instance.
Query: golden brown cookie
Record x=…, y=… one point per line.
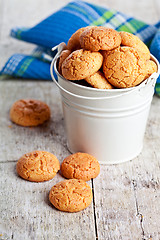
x=38, y=166
x=99, y=38
x=98, y=80
x=130, y=40
x=124, y=67
x=71, y=195
x=73, y=43
x=81, y=166
x=29, y=112
x=80, y=64
x=151, y=67
x=63, y=56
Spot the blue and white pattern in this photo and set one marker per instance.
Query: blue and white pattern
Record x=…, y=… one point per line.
x=61, y=25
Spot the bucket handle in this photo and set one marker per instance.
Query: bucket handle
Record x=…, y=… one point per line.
x=60, y=48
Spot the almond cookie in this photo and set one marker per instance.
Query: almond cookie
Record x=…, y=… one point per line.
x=124, y=67
x=81, y=64
x=74, y=43
x=151, y=68
x=71, y=195
x=38, y=166
x=98, y=80
x=29, y=112
x=100, y=38
x=81, y=166
x=63, y=56
x=130, y=40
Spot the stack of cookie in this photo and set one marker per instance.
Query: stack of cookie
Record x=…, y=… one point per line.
x=75, y=194
x=105, y=58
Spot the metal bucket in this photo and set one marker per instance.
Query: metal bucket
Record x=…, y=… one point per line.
x=109, y=127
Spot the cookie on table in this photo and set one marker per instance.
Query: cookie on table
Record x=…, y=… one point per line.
x=71, y=195
x=124, y=67
x=98, y=80
x=63, y=56
x=99, y=38
x=151, y=67
x=130, y=40
x=29, y=112
x=74, y=42
x=80, y=64
x=38, y=166
x=80, y=166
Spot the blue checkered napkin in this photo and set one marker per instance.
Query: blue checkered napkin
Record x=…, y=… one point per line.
x=62, y=24
x=20, y=65
x=59, y=27
x=155, y=50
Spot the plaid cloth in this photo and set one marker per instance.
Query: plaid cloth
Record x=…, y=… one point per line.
x=61, y=25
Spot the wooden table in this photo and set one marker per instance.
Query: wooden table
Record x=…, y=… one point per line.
x=126, y=203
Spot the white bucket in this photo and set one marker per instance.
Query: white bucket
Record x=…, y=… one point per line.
x=111, y=128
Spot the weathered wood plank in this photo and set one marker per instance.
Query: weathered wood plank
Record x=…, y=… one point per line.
x=1, y=18
x=146, y=177
x=127, y=202
x=26, y=212
x=157, y=6
x=127, y=196
x=115, y=205
x=16, y=140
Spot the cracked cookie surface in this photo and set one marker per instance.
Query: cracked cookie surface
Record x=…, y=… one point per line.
x=74, y=41
x=80, y=166
x=98, y=80
x=71, y=195
x=38, y=166
x=63, y=56
x=130, y=40
x=124, y=67
x=151, y=67
x=99, y=38
x=29, y=112
x=80, y=64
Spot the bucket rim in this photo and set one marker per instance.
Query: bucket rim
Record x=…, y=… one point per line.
x=89, y=88
x=121, y=91
x=62, y=46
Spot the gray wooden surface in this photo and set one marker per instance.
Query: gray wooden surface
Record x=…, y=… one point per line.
x=126, y=202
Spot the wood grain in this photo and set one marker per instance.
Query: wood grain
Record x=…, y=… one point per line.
x=126, y=202
x=16, y=140
x=115, y=205
x=26, y=212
